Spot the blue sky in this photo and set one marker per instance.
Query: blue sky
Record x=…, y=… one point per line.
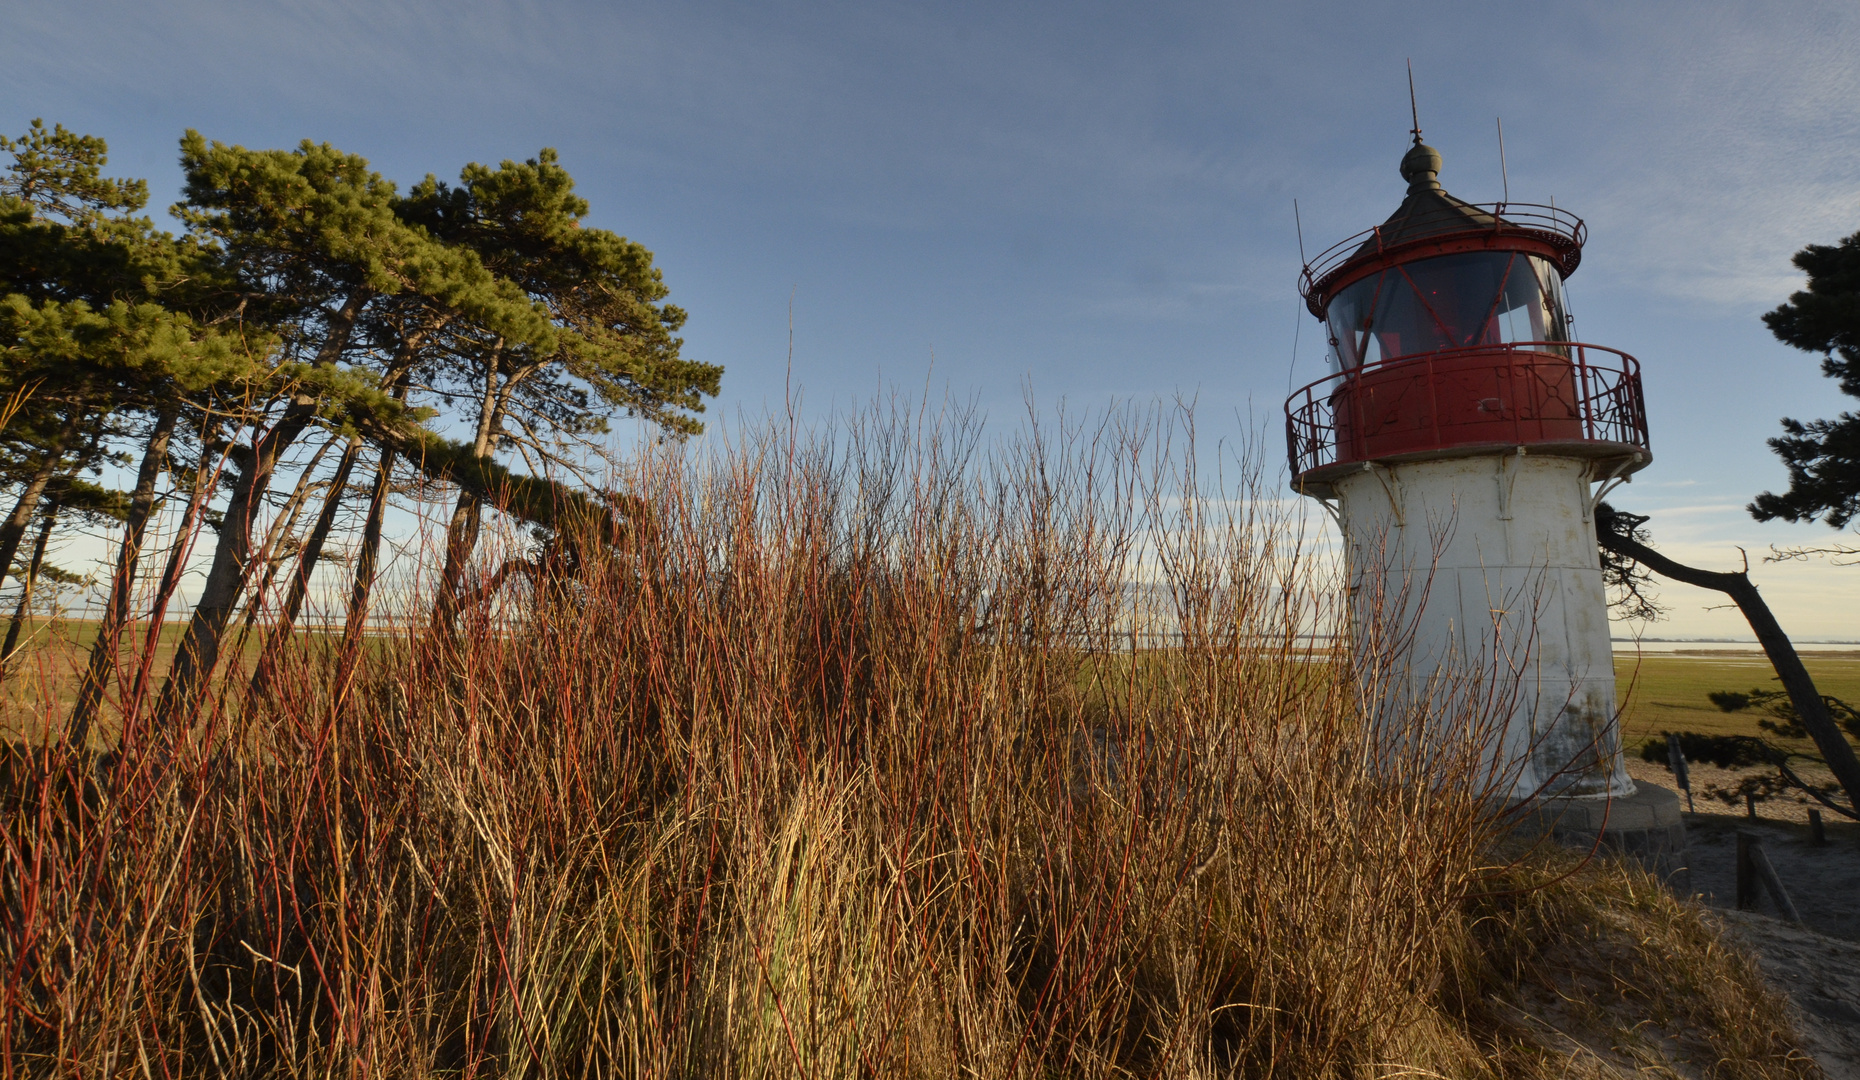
x=1091, y=200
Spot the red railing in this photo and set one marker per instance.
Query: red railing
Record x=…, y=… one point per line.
x=1595, y=398
x=1557, y=228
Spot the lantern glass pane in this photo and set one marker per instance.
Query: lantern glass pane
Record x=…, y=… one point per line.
x=1449, y=302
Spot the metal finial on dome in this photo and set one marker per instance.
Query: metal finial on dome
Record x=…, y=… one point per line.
x=1420, y=166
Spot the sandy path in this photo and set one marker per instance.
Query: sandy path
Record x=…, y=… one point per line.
x=1817, y=965
x=1824, y=882
x=1821, y=976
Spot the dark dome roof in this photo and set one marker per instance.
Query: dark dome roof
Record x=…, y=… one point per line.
x=1428, y=210
x=1429, y=218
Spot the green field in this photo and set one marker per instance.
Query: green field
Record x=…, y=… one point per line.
x=53, y=652
x=1657, y=691
x=1666, y=691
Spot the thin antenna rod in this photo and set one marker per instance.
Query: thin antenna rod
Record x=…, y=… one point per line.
x=1298, y=324
x=1503, y=175
x=1413, y=109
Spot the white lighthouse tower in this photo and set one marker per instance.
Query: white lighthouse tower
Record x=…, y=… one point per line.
x=1463, y=440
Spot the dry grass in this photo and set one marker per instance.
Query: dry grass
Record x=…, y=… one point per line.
x=845, y=764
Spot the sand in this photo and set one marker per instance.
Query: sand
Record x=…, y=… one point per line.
x=1817, y=964
x=1821, y=977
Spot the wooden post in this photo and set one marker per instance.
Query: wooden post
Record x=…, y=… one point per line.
x=1767, y=874
x=1817, y=832
x=1746, y=898
x=1676, y=759
x=1750, y=805
x=1753, y=868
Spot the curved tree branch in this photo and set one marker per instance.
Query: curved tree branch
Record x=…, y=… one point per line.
x=1776, y=644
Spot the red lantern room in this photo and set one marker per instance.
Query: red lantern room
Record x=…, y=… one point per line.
x=1450, y=337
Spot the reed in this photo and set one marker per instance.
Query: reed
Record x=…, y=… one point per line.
x=872, y=750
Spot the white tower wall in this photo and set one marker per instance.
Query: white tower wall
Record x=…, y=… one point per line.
x=1491, y=563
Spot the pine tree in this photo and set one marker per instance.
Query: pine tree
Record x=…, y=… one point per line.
x=98, y=329
x=613, y=350
x=1823, y=456
x=304, y=295
x=310, y=240
x=314, y=242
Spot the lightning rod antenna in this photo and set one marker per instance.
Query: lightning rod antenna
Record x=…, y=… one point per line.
x=1298, y=324
x=1502, y=174
x=1300, y=225
x=1414, y=110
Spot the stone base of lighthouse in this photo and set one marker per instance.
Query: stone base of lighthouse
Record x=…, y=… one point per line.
x=1646, y=827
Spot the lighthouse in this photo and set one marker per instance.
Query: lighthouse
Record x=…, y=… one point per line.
x=1462, y=441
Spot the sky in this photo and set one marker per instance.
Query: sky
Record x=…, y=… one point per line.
x=1083, y=202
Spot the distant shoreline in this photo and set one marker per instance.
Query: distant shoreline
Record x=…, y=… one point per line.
x=1715, y=641
x=1722, y=646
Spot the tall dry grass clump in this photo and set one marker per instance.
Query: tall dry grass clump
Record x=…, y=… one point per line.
x=875, y=751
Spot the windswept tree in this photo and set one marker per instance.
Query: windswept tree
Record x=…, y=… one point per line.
x=307, y=300
x=1823, y=456
x=612, y=350
x=1624, y=540
x=311, y=242
x=106, y=345
x=70, y=270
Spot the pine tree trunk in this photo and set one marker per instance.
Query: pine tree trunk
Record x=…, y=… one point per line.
x=366, y=559
x=200, y=648
x=199, y=651
x=461, y=541
x=281, y=527
x=13, y=529
x=268, y=556
x=25, y=593
x=205, y=480
x=306, y=565
x=467, y=513
x=122, y=583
